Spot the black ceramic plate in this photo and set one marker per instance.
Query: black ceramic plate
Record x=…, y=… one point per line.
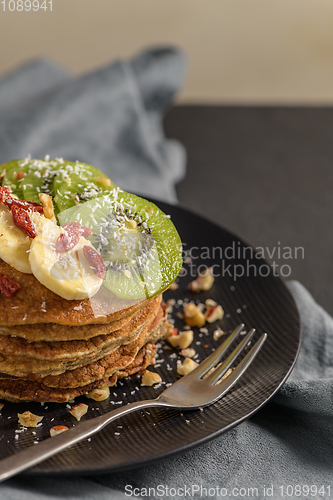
x=258, y=299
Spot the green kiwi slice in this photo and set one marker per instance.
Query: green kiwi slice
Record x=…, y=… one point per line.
x=39, y=179
x=29, y=177
x=77, y=183
x=13, y=173
x=140, y=245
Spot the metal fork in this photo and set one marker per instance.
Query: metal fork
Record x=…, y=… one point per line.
x=201, y=387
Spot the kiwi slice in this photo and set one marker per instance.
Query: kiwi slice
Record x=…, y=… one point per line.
x=13, y=174
x=139, y=244
x=39, y=179
x=27, y=178
x=77, y=183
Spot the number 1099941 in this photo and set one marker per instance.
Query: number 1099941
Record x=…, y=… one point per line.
x=26, y=5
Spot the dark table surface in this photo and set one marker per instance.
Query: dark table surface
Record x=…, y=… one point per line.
x=266, y=174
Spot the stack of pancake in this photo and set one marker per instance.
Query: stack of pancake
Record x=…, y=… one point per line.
x=52, y=349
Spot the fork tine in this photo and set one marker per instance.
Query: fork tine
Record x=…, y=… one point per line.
x=221, y=369
x=226, y=384
x=213, y=358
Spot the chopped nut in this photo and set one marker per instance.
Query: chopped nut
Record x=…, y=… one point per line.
x=68, y=181
x=210, y=303
x=182, y=340
x=188, y=353
x=103, y=180
x=214, y=313
x=47, y=205
x=19, y=175
x=193, y=316
x=150, y=209
x=174, y=286
x=1, y=406
x=150, y=378
x=58, y=429
x=186, y=366
x=171, y=333
x=218, y=333
x=194, y=286
x=203, y=282
x=99, y=394
x=78, y=410
x=28, y=419
x=190, y=310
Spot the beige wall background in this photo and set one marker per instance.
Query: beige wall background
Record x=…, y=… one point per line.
x=239, y=51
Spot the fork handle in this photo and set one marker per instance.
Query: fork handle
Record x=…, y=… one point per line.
x=33, y=455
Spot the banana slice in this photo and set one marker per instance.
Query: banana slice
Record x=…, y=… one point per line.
x=14, y=244
x=67, y=274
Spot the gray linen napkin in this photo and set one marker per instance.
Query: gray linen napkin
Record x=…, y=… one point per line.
x=110, y=118
x=286, y=446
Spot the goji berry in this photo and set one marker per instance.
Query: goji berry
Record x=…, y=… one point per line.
x=62, y=244
x=8, y=286
x=73, y=231
x=77, y=227
x=26, y=205
x=95, y=260
x=23, y=221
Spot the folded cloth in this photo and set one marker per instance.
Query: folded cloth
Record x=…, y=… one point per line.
x=284, y=451
x=110, y=118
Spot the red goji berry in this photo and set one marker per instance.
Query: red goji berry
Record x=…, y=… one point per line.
x=26, y=205
x=62, y=244
x=77, y=227
x=95, y=260
x=23, y=221
x=87, y=232
x=66, y=241
x=8, y=286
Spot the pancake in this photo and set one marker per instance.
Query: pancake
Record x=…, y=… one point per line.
x=15, y=346
x=37, y=304
x=18, y=390
x=105, y=367
x=50, y=332
x=21, y=365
